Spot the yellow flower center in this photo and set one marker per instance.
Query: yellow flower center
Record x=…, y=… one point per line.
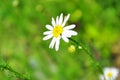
x=57, y=30
x=109, y=74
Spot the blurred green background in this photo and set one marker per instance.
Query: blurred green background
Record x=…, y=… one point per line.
x=22, y=23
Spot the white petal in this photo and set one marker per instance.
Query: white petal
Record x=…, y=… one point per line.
x=66, y=33
x=72, y=32
x=69, y=33
x=49, y=27
x=57, y=44
x=53, y=22
x=60, y=19
x=101, y=77
x=57, y=20
x=48, y=37
x=52, y=43
x=65, y=20
x=69, y=27
x=115, y=72
x=106, y=69
x=47, y=32
x=65, y=39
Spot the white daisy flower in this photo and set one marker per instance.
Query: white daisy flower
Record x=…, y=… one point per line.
x=110, y=74
x=58, y=30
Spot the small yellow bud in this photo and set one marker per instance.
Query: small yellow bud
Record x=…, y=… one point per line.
x=71, y=49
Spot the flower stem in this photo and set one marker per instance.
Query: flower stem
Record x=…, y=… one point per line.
x=87, y=50
x=7, y=67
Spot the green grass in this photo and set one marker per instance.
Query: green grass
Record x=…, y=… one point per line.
x=22, y=25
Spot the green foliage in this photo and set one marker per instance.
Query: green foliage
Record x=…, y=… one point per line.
x=23, y=52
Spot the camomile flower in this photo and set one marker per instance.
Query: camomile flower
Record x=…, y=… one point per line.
x=110, y=74
x=58, y=30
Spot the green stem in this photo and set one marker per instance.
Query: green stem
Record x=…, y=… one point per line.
x=86, y=49
x=7, y=67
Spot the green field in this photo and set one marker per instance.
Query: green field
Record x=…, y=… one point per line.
x=25, y=55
